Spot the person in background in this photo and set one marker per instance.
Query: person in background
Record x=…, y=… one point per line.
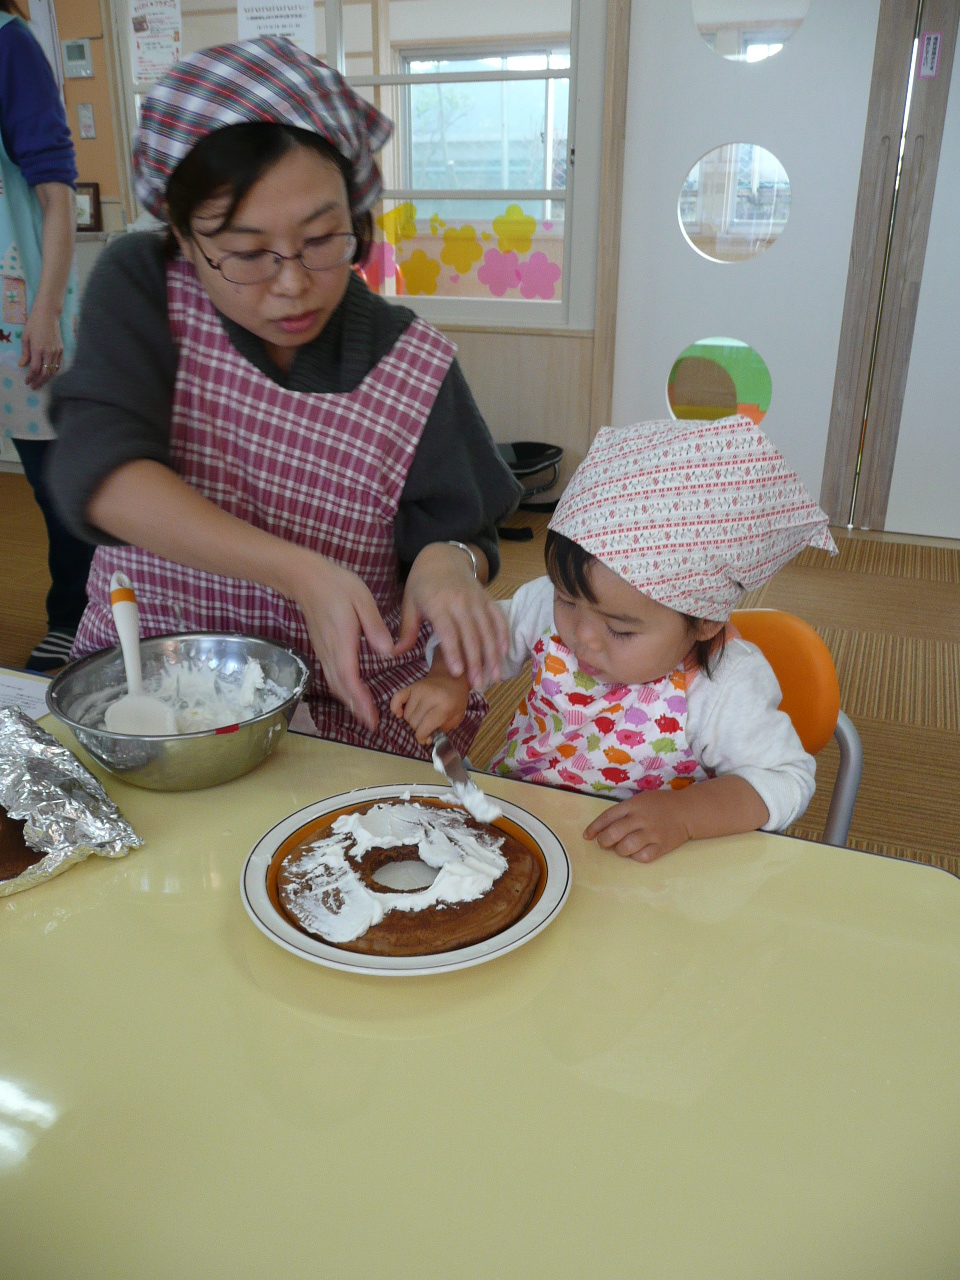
x=283, y=452
x=37, y=220
x=641, y=693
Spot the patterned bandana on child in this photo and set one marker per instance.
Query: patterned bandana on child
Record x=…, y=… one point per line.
x=692, y=514
x=270, y=81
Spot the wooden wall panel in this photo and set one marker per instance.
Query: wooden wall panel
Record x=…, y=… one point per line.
x=531, y=385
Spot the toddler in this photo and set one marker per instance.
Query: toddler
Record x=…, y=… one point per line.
x=641, y=691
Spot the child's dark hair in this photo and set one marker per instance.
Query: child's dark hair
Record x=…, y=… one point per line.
x=568, y=567
x=231, y=160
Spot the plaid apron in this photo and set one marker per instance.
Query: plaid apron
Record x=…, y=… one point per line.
x=322, y=471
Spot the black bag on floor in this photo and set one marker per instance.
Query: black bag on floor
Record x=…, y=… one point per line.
x=537, y=467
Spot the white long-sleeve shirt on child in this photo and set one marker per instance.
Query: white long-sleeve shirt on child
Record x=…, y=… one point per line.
x=733, y=724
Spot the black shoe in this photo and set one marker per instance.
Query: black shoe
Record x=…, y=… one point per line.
x=52, y=652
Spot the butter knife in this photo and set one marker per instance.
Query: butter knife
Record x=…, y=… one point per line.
x=446, y=760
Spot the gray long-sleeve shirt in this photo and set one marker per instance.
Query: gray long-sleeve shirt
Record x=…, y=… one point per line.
x=114, y=404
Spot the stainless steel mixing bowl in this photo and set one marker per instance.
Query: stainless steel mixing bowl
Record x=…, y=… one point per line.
x=186, y=761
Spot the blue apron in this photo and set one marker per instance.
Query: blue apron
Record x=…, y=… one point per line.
x=22, y=411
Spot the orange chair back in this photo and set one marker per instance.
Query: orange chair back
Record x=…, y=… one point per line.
x=803, y=667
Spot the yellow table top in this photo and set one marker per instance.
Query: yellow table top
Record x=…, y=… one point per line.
x=739, y=1061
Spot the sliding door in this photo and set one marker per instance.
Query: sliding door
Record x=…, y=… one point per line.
x=745, y=125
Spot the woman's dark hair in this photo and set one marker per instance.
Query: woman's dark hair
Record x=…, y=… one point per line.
x=11, y=6
x=231, y=160
x=568, y=567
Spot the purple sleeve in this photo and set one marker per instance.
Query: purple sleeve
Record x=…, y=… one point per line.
x=33, y=123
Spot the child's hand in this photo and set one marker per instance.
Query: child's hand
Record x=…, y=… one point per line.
x=644, y=828
x=651, y=823
x=439, y=701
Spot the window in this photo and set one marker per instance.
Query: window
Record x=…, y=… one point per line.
x=480, y=211
x=734, y=202
x=480, y=221
x=730, y=33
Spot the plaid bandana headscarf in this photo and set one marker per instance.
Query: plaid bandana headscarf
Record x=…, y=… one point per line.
x=267, y=80
x=692, y=514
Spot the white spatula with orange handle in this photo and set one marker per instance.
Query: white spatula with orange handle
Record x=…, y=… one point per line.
x=135, y=712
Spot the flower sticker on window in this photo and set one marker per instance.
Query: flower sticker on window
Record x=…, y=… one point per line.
x=499, y=272
x=379, y=267
x=514, y=230
x=460, y=248
x=420, y=273
x=538, y=277
x=400, y=223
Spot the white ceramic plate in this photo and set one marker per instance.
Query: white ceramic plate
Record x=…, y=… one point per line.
x=256, y=899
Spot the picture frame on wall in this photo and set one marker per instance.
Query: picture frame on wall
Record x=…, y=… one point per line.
x=89, y=214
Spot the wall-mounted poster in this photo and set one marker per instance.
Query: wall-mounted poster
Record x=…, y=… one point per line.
x=154, y=38
x=290, y=18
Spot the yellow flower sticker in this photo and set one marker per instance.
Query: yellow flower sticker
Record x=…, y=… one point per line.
x=399, y=224
x=514, y=230
x=420, y=273
x=460, y=249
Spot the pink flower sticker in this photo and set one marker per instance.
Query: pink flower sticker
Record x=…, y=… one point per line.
x=538, y=277
x=499, y=272
x=380, y=266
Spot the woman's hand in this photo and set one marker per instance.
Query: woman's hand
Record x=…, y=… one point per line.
x=338, y=608
x=470, y=628
x=40, y=343
x=41, y=346
x=438, y=701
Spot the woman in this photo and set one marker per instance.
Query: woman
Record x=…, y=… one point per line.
x=285, y=453
x=37, y=173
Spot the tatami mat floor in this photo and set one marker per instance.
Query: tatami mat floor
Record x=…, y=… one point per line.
x=888, y=609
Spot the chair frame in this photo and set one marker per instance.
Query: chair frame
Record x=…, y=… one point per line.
x=847, y=784
x=840, y=814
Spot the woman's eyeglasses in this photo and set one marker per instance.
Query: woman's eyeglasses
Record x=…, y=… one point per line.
x=261, y=265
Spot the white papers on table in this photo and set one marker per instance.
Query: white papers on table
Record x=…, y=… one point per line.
x=18, y=689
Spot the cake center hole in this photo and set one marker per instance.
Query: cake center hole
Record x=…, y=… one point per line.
x=407, y=875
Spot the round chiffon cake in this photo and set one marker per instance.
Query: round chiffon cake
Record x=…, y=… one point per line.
x=485, y=880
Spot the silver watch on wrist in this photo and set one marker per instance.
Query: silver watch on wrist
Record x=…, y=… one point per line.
x=452, y=542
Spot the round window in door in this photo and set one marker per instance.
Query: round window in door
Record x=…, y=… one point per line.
x=734, y=202
x=751, y=32
x=716, y=377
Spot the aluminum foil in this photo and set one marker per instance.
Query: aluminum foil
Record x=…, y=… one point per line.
x=68, y=814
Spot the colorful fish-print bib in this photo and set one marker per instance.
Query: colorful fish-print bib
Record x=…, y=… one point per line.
x=578, y=733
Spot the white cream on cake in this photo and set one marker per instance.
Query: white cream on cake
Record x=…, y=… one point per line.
x=340, y=907
x=476, y=802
